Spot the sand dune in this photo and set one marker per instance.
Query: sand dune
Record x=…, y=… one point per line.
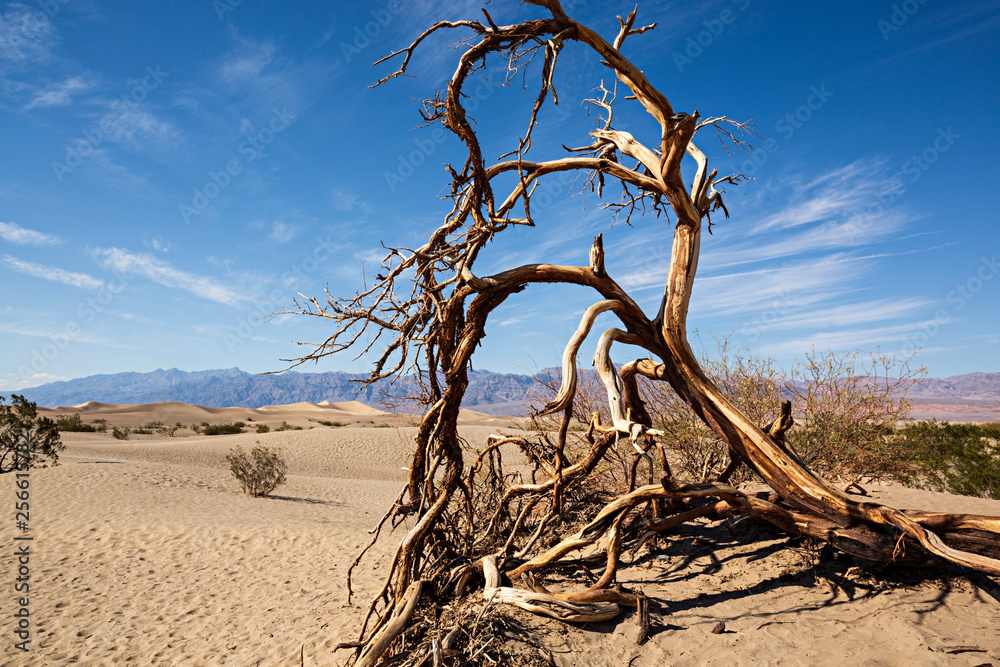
x=304, y=415
x=146, y=551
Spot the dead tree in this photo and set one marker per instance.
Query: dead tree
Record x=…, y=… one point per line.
x=428, y=310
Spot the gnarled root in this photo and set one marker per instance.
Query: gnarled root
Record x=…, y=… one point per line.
x=401, y=615
x=543, y=602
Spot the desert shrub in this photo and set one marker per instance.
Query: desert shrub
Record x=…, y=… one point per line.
x=754, y=384
x=168, y=430
x=19, y=420
x=954, y=458
x=330, y=423
x=73, y=424
x=151, y=427
x=223, y=429
x=260, y=472
x=100, y=425
x=845, y=407
x=123, y=433
x=695, y=453
x=263, y=428
x=285, y=426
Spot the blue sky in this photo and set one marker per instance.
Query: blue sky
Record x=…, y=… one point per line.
x=173, y=171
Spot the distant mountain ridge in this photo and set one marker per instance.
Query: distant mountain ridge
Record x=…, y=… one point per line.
x=493, y=393
x=496, y=393
x=978, y=386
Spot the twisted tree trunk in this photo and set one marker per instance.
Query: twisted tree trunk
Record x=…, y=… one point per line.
x=435, y=328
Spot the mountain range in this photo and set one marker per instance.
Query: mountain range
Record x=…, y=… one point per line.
x=492, y=393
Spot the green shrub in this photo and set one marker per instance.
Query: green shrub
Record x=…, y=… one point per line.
x=263, y=428
x=955, y=458
x=73, y=424
x=100, y=425
x=168, y=430
x=223, y=429
x=285, y=426
x=20, y=419
x=259, y=472
x=121, y=433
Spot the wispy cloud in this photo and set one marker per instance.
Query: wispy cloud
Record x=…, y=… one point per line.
x=803, y=283
x=13, y=382
x=851, y=314
x=49, y=329
x=257, y=77
x=26, y=35
x=156, y=243
x=246, y=63
x=952, y=22
x=832, y=235
x=140, y=130
x=257, y=72
x=59, y=93
x=844, y=191
x=846, y=339
x=164, y=273
x=282, y=232
x=14, y=233
x=102, y=168
x=71, y=278
x=345, y=201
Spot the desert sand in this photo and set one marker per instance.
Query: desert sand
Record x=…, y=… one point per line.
x=145, y=551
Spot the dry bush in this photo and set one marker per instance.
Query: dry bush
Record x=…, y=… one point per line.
x=260, y=472
x=752, y=383
x=611, y=475
x=847, y=406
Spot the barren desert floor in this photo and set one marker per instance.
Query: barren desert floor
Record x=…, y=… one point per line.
x=145, y=551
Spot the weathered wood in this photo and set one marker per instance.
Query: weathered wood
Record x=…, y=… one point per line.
x=429, y=310
x=401, y=615
x=543, y=602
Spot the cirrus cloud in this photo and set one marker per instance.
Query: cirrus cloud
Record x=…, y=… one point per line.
x=166, y=274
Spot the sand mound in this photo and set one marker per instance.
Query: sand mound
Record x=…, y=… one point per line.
x=89, y=406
